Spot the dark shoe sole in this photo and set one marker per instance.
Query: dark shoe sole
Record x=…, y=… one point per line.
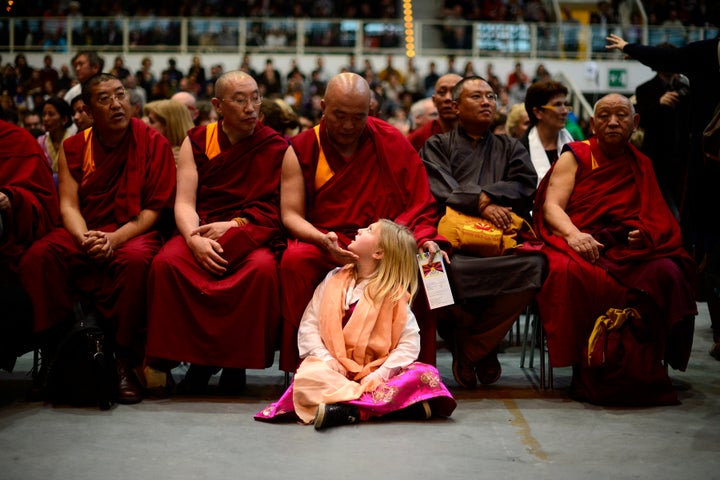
x=463, y=383
x=715, y=351
x=320, y=417
x=488, y=370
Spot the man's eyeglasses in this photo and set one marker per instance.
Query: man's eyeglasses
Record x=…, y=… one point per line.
x=490, y=97
x=242, y=101
x=106, y=100
x=557, y=108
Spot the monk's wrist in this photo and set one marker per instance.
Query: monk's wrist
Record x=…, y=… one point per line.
x=240, y=221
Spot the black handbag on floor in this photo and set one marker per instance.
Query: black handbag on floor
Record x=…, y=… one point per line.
x=83, y=373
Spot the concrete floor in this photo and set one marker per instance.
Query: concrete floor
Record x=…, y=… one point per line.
x=506, y=431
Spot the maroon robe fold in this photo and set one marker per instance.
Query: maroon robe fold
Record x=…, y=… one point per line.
x=26, y=178
x=228, y=321
x=418, y=137
x=385, y=178
x=136, y=175
x=611, y=198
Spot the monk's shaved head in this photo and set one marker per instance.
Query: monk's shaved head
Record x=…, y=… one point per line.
x=346, y=85
x=226, y=79
x=614, y=97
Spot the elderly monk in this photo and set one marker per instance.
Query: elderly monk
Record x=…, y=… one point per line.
x=214, y=287
x=446, y=118
x=349, y=171
x=482, y=174
x=115, y=179
x=612, y=242
x=28, y=210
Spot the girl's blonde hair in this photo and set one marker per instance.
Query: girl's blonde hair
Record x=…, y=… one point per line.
x=397, y=271
x=174, y=116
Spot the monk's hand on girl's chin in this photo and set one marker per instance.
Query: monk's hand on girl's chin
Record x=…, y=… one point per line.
x=342, y=256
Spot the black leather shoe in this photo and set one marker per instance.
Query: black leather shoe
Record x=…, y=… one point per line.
x=129, y=389
x=232, y=381
x=464, y=374
x=416, y=411
x=196, y=380
x=715, y=351
x=335, y=415
x=488, y=369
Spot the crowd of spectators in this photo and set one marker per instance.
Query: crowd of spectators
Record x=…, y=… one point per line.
x=659, y=12
x=396, y=85
x=211, y=8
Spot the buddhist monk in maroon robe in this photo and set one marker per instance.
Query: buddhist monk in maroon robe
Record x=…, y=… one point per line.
x=28, y=210
x=447, y=118
x=349, y=171
x=115, y=179
x=612, y=242
x=214, y=287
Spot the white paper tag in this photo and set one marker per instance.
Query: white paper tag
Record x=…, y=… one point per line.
x=435, y=280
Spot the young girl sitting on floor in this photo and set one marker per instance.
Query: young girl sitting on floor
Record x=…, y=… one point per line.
x=359, y=340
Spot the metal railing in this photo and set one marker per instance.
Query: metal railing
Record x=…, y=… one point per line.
x=315, y=36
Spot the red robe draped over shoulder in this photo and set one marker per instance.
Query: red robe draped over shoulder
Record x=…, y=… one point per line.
x=385, y=178
x=136, y=176
x=26, y=178
x=232, y=320
x=610, y=198
x=418, y=137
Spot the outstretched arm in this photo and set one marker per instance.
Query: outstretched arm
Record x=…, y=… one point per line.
x=292, y=211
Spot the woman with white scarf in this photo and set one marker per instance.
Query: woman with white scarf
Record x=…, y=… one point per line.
x=546, y=106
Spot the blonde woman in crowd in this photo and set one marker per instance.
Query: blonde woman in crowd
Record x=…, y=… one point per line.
x=172, y=119
x=518, y=121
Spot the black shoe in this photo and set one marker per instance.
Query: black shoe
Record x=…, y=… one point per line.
x=416, y=411
x=232, y=381
x=464, y=374
x=129, y=390
x=336, y=414
x=488, y=369
x=196, y=380
x=715, y=351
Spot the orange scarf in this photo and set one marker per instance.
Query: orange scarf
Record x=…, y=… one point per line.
x=370, y=334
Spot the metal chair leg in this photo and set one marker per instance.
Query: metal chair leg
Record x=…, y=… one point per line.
x=546, y=370
x=533, y=319
x=524, y=340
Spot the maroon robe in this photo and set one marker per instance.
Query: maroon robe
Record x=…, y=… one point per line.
x=231, y=320
x=26, y=178
x=418, y=137
x=608, y=201
x=383, y=179
x=138, y=174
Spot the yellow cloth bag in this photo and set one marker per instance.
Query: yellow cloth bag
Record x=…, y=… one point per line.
x=480, y=237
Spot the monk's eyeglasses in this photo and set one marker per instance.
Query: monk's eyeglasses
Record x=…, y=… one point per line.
x=106, y=100
x=242, y=101
x=559, y=107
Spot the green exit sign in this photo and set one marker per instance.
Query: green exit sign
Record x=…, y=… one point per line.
x=617, y=78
